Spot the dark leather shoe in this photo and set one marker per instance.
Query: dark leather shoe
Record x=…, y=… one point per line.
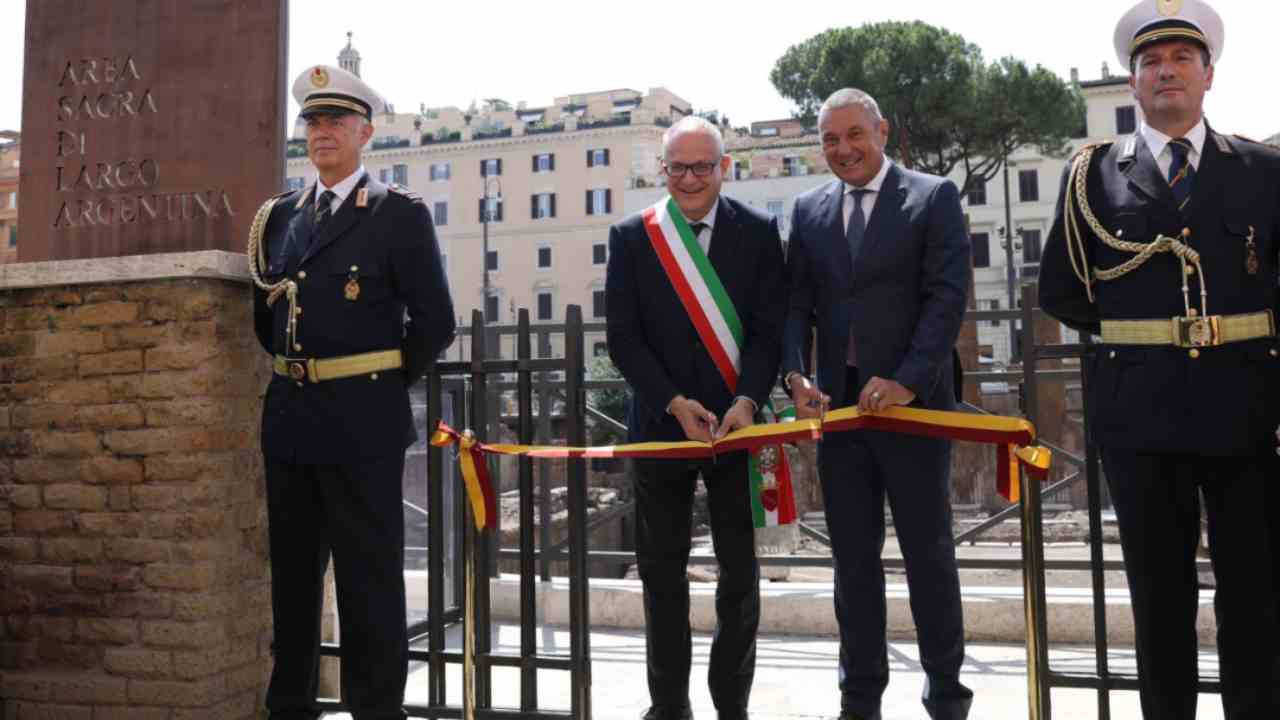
x=668, y=712
x=851, y=715
x=733, y=716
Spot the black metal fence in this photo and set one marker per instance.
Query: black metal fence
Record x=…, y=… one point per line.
x=473, y=391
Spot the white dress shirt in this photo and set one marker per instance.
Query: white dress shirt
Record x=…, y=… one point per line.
x=868, y=200
x=1158, y=143
x=704, y=237
x=340, y=191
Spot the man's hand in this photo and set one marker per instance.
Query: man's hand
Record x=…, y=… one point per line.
x=738, y=417
x=809, y=401
x=698, y=422
x=879, y=394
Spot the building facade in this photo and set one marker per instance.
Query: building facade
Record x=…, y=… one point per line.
x=10, y=153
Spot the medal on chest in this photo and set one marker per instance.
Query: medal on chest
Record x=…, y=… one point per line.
x=1251, y=258
x=351, y=291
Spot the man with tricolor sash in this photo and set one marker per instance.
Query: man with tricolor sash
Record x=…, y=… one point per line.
x=878, y=265
x=694, y=309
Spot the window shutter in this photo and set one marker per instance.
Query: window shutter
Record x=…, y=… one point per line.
x=535, y=163
x=553, y=204
x=606, y=156
x=551, y=161
x=499, y=172
x=591, y=161
x=499, y=213
x=533, y=207
x=481, y=213
x=589, y=203
x=483, y=173
x=608, y=201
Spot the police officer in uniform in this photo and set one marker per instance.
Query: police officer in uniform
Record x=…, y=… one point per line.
x=351, y=301
x=1165, y=244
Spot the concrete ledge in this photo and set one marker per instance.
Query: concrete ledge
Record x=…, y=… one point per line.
x=991, y=614
x=215, y=264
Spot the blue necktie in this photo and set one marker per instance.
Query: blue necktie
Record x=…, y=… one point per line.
x=1181, y=172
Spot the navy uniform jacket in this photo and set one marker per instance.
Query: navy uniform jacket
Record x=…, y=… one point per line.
x=391, y=244
x=905, y=295
x=653, y=342
x=1160, y=398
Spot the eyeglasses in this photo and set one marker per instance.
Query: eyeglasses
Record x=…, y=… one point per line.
x=701, y=169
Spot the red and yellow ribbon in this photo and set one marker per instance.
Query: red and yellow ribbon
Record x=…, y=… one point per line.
x=1013, y=438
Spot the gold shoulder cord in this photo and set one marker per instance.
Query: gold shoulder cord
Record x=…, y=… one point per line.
x=1077, y=199
x=258, y=262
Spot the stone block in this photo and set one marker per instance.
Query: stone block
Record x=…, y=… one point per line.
x=113, y=471
x=84, y=688
x=69, y=342
x=43, y=522
x=135, y=663
x=156, y=497
x=107, y=631
x=107, y=578
x=108, y=313
x=110, y=417
x=137, y=336
x=44, y=417
x=19, y=550
x=163, y=576
x=188, y=635
x=20, y=497
x=140, y=605
x=112, y=524
x=139, y=551
x=70, y=550
x=67, y=444
x=180, y=357
x=120, y=362
x=35, y=711
x=66, y=496
x=81, y=392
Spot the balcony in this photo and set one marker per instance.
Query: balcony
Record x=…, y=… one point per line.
x=430, y=139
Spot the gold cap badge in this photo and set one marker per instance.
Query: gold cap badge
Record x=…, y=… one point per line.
x=320, y=77
x=1169, y=8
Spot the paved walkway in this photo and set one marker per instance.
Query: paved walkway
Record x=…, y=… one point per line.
x=796, y=679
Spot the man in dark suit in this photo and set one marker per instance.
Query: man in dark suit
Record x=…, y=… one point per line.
x=355, y=255
x=878, y=260
x=1165, y=244
x=694, y=298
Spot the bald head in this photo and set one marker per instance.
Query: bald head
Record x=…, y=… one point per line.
x=691, y=124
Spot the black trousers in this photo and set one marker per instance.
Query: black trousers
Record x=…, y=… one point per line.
x=859, y=470
x=664, y=503
x=353, y=512
x=1157, y=503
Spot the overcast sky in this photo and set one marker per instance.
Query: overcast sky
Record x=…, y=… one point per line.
x=715, y=55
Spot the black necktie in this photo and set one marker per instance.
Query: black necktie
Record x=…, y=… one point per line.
x=324, y=208
x=857, y=224
x=697, y=229
x=1182, y=173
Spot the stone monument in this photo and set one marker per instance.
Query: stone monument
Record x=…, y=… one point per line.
x=133, y=570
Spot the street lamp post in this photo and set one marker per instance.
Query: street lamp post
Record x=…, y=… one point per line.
x=1011, y=277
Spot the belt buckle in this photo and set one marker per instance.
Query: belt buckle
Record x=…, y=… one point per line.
x=1193, y=332
x=297, y=369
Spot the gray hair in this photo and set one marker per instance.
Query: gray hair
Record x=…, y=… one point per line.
x=693, y=124
x=848, y=97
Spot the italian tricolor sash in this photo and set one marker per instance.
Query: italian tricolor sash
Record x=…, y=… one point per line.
x=698, y=287
x=773, y=503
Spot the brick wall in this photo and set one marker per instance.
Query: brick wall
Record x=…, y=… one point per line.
x=133, y=566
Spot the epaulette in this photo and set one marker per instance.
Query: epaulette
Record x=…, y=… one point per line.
x=1247, y=139
x=402, y=190
x=1091, y=146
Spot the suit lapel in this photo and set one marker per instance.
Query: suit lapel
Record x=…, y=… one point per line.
x=338, y=224
x=724, y=235
x=884, y=211
x=831, y=212
x=1217, y=162
x=301, y=227
x=1145, y=176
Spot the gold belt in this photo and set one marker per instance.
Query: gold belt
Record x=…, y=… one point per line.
x=1190, y=331
x=320, y=369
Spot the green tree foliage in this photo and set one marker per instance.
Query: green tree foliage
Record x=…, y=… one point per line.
x=611, y=402
x=947, y=108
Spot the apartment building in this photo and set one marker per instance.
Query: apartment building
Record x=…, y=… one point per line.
x=549, y=178
x=10, y=152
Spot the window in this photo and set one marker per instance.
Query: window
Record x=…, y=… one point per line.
x=542, y=205
x=290, y=184
x=493, y=206
x=544, y=306
x=544, y=163
x=774, y=208
x=597, y=303
x=768, y=132
x=977, y=191
x=384, y=175
x=491, y=309
x=13, y=235
x=599, y=202
x=439, y=172
x=981, y=249
x=599, y=254
x=600, y=349
x=793, y=166
x=992, y=305
x=1126, y=120
x=1029, y=185
x=440, y=213
x=1031, y=246
x=400, y=174
x=490, y=167
x=491, y=261
x=13, y=196
x=598, y=157
x=544, y=257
